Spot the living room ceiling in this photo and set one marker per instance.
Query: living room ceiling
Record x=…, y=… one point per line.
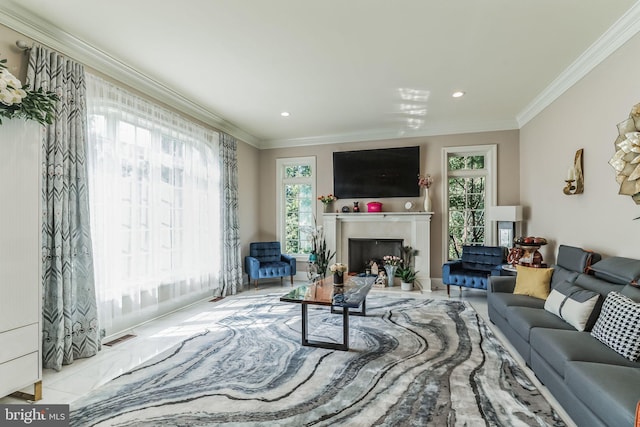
x=344, y=70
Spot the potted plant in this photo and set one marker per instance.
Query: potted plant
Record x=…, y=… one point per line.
x=406, y=272
x=338, y=270
x=407, y=277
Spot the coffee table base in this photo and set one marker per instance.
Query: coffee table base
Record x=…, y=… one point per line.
x=326, y=344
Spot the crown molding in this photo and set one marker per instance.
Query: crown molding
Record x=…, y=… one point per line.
x=382, y=134
x=20, y=20
x=627, y=26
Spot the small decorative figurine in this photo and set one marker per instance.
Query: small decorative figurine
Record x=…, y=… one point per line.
x=356, y=208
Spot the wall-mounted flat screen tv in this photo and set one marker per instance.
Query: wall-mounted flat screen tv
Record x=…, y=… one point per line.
x=389, y=172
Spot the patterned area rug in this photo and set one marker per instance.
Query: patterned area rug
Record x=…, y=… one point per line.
x=412, y=362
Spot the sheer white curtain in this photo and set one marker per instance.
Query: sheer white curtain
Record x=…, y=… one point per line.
x=155, y=196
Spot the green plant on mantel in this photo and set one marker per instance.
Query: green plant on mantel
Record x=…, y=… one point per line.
x=18, y=102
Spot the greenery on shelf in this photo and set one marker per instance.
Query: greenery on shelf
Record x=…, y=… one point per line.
x=20, y=102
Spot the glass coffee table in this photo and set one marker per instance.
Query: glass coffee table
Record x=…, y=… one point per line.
x=351, y=295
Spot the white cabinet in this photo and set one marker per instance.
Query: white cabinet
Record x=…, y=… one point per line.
x=20, y=257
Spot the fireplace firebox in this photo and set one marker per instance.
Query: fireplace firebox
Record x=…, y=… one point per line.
x=364, y=250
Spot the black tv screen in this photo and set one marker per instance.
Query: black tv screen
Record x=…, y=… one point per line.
x=389, y=172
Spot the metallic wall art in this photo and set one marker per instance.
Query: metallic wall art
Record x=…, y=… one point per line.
x=626, y=160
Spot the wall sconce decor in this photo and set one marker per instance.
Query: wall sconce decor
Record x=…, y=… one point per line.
x=575, y=177
x=626, y=160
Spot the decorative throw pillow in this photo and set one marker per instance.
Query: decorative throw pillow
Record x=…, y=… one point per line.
x=557, y=297
x=533, y=281
x=618, y=325
x=572, y=304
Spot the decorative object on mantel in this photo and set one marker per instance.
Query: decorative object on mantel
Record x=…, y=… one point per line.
x=338, y=269
x=356, y=207
x=18, y=102
x=626, y=160
x=425, y=182
x=327, y=201
x=575, y=174
x=408, y=206
x=374, y=207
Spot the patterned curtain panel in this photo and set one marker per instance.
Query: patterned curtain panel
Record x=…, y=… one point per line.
x=70, y=320
x=231, y=276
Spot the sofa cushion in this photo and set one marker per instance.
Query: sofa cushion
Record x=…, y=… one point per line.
x=561, y=274
x=500, y=301
x=617, y=270
x=558, y=347
x=576, y=259
x=632, y=292
x=573, y=304
x=533, y=281
x=523, y=319
x=618, y=325
x=611, y=392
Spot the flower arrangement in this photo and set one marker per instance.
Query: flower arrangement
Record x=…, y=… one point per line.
x=425, y=181
x=17, y=101
x=320, y=254
x=327, y=199
x=392, y=260
x=338, y=268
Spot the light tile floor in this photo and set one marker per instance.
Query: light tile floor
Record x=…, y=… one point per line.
x=154, y=337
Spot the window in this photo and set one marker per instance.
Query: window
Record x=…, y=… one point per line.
x=469, y=188
x=296, y=206
x=154, y=194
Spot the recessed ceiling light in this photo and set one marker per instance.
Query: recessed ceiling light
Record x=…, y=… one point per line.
x=457, y=94
x=285, y=114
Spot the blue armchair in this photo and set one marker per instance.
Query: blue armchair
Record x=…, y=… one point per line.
x=475, y=266
x=265, y=260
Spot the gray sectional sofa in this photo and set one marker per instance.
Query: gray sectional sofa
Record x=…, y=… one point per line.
x=595, y=384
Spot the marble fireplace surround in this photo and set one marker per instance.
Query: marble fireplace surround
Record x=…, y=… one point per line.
x=414, y=228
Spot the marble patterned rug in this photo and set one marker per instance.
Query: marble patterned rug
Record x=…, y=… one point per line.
x=413, y=362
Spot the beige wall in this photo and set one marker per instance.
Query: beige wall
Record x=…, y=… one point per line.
x=16, y=58
x=583, y=117
x=431, y=153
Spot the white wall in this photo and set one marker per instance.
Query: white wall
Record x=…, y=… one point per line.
x=583, y=117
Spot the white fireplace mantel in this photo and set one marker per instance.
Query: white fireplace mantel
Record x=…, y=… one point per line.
x=414, y=228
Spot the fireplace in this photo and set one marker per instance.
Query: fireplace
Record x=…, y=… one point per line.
x=409, y=228
x=363, y=250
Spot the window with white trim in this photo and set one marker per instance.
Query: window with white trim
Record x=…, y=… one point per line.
x=296, y=203
x=469, y=188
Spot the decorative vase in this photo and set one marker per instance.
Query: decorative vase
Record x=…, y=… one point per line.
x=391, y=273
x=427, y=200
x=338, y=279
x=327, y=207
